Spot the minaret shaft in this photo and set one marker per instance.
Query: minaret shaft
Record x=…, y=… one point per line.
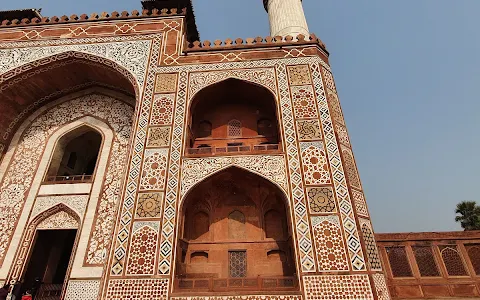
x=287, y=18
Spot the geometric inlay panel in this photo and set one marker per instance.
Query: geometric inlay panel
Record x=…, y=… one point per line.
x=82, y=290
x=137, y=289
x=166, y=83
x=321, y=200
x=350, y=168
x=360, y=203
x=336, y=110
x=158, y=137
x=162, y=109
x=167, y=233
x=299, y=75
x=141, y=258
x=145, y=109
x=315, y=166
x=331, y=254
x=343, y=135
x=154, y=169
x=327, y=76
x=309, y=130
x=337, y=287
x=304, y=105
x=372, y=251
x=149, y=205
x=381, y=287
x=271, y=167
x=302, y=228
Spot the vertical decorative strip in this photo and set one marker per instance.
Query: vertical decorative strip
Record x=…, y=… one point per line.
x=131, y=184
x=173, y=183
x=346, y=209
x=299, y=202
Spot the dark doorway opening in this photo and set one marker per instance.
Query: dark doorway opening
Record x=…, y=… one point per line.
x=48, y=264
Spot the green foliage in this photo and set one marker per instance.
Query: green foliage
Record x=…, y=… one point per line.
x=468, y=214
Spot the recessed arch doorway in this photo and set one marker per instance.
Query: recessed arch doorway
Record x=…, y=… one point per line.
x=54, y=236
x=235, y=234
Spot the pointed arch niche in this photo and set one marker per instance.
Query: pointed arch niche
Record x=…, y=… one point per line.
x=99, y=110
x=75, y=156
x=233, y=116
x=235, y=235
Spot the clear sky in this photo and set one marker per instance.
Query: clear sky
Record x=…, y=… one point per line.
x=408, y=76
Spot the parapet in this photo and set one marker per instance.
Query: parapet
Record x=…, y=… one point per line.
x=258, y=42
x=93, y=17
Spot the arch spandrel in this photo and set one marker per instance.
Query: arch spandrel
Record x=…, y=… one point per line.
x=30, y=72
x=60, y=220
x=53, y=211
x=270, y=167
x=131, y=55
x=264, y=77
x=76, y=203
x=151, y=225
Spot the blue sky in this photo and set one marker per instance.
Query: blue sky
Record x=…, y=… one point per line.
x=408, y=77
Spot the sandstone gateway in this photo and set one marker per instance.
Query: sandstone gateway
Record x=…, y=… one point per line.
x=140, y=163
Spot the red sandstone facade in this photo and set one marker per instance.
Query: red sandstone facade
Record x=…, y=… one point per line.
x=137, y=162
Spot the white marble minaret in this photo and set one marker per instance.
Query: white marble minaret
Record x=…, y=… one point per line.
x=286, y=17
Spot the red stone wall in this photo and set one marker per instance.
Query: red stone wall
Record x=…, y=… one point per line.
x=431, y=264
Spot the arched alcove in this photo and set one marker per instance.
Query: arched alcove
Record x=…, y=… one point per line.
x=240, y=117
x=236, y=218
x=75, y=155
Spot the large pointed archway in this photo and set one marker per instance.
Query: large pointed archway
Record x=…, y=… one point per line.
x=30, y=86
x=39, y=100
x=235, y=235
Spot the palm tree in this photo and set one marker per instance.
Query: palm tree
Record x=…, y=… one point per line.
x=469, y=216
